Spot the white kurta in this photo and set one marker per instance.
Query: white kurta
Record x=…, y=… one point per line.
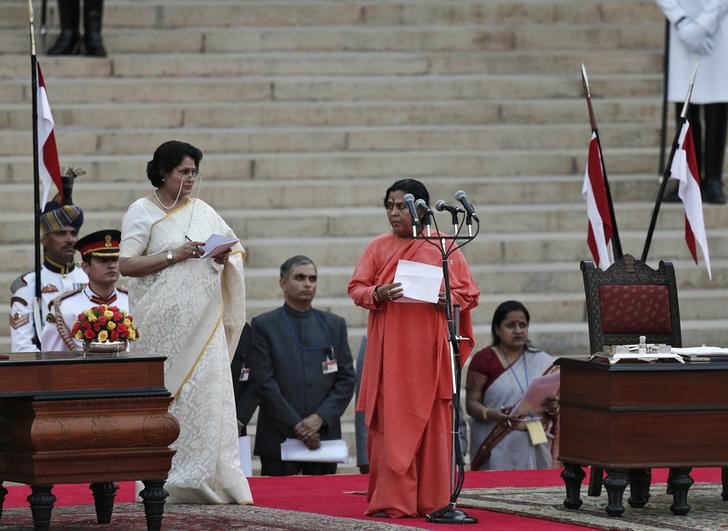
x=69, y=306
x=193, y=314
x=711, y=83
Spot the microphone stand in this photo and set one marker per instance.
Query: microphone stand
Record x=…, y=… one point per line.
x=450, y=514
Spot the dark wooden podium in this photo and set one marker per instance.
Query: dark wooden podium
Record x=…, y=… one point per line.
x=99, y=419
x=630, y=417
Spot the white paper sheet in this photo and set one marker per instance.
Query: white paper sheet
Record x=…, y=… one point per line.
x=420, y=282
x=335, y=451
x=701, y=351
x=246, y=457
x=541, y=388
x=217, y=243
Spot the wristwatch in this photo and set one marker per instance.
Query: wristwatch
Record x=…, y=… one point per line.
x=170, y=257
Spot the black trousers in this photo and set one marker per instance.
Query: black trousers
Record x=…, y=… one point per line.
x=708, y=123
x=276, y=467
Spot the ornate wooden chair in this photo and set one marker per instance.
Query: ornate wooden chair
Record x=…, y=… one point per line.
x=629, y=300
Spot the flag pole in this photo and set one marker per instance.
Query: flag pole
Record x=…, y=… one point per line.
x=36, y=172
x=668, y=166
x=616, y=243
x=663, y=118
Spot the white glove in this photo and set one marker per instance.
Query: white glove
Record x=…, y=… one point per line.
x=695, y=37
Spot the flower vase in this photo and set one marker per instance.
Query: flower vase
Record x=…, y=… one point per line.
x=104, y=347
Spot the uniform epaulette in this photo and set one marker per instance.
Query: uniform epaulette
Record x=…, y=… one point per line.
x=122, y=289
x=19, y=282
x=69, y=293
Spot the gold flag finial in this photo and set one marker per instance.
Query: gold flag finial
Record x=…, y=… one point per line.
x=32, y=30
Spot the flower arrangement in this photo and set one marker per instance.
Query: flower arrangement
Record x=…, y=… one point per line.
x=104, y=323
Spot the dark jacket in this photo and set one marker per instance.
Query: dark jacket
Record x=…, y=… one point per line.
x=290, y=382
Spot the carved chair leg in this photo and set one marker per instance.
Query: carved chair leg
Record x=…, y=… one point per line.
x=3, y=493
x=639, y=486
x=595, y=481
x=104, y=494
x=572, y=476
x=41, y=506
x=680, y=483
x=615, y=483
x=154, y=496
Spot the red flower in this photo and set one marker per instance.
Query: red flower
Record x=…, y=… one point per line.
x=89, y=334
x=114, y=335
x=102, y=319
x=86, y=325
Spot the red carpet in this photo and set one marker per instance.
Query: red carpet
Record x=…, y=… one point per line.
x=327, y=495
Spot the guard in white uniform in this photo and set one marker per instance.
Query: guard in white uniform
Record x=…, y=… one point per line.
x=699, y=33
x=60, y=225
x=100, y=254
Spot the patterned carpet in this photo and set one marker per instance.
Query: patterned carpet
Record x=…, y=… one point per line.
x=130, y=517
x=708, y=511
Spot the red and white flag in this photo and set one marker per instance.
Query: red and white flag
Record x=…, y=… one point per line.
x=594, y=192
x=48, y=167
x=685, y=169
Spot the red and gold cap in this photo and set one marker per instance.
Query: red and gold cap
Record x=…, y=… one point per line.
x=102, y=244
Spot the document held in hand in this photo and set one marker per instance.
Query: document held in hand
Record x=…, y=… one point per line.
x=540, y=389
x=334, y=451
x=216, y=244
x=420, y=282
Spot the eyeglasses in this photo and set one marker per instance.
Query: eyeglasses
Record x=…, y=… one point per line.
x=189, y=173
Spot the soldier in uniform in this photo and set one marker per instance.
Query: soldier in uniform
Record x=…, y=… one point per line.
x=59, y=225
x=100, y=261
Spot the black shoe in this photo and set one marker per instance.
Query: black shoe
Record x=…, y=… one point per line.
x=93, y=45
x=713, y=192
x=68, y=43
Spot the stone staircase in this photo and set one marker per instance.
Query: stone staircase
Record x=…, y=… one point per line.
x=307, y=110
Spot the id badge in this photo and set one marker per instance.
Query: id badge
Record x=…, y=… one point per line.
x=329, y=366
x=536, y=432
x=244, y=374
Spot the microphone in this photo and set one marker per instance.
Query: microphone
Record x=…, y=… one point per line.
x=469, y=208
x=420, y=203
x=441, y=206
x=410, y=200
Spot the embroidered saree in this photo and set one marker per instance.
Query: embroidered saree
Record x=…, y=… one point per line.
x=193, y=314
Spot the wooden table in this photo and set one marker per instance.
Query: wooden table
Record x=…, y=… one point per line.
x=100, y=419
x=630, y=417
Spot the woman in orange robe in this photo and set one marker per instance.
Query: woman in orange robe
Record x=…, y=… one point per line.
x=406, y=389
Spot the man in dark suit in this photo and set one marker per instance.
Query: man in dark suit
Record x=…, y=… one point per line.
x=303, y=371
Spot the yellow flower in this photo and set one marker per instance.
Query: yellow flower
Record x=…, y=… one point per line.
x=103, y=335
x=78, y=335
x=127, y=322
x=108, y=314
x=92, y=318
x=111, y=325
x=132, y=334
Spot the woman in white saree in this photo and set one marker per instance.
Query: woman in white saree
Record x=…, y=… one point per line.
x=498, y=377
x=192, y=310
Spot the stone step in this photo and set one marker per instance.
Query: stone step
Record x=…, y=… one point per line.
x=494, y=279
x=339, y=139
x=645, y=77
x=544, y=308
x=367, y=221
x=309, y=193
x=305, y=13
x=306, y=87
x=488, y=248
x=413, y=164
x=119, y=116
x=463, y=38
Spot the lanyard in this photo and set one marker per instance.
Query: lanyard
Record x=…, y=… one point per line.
x=525, y=371
x=329, y=344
